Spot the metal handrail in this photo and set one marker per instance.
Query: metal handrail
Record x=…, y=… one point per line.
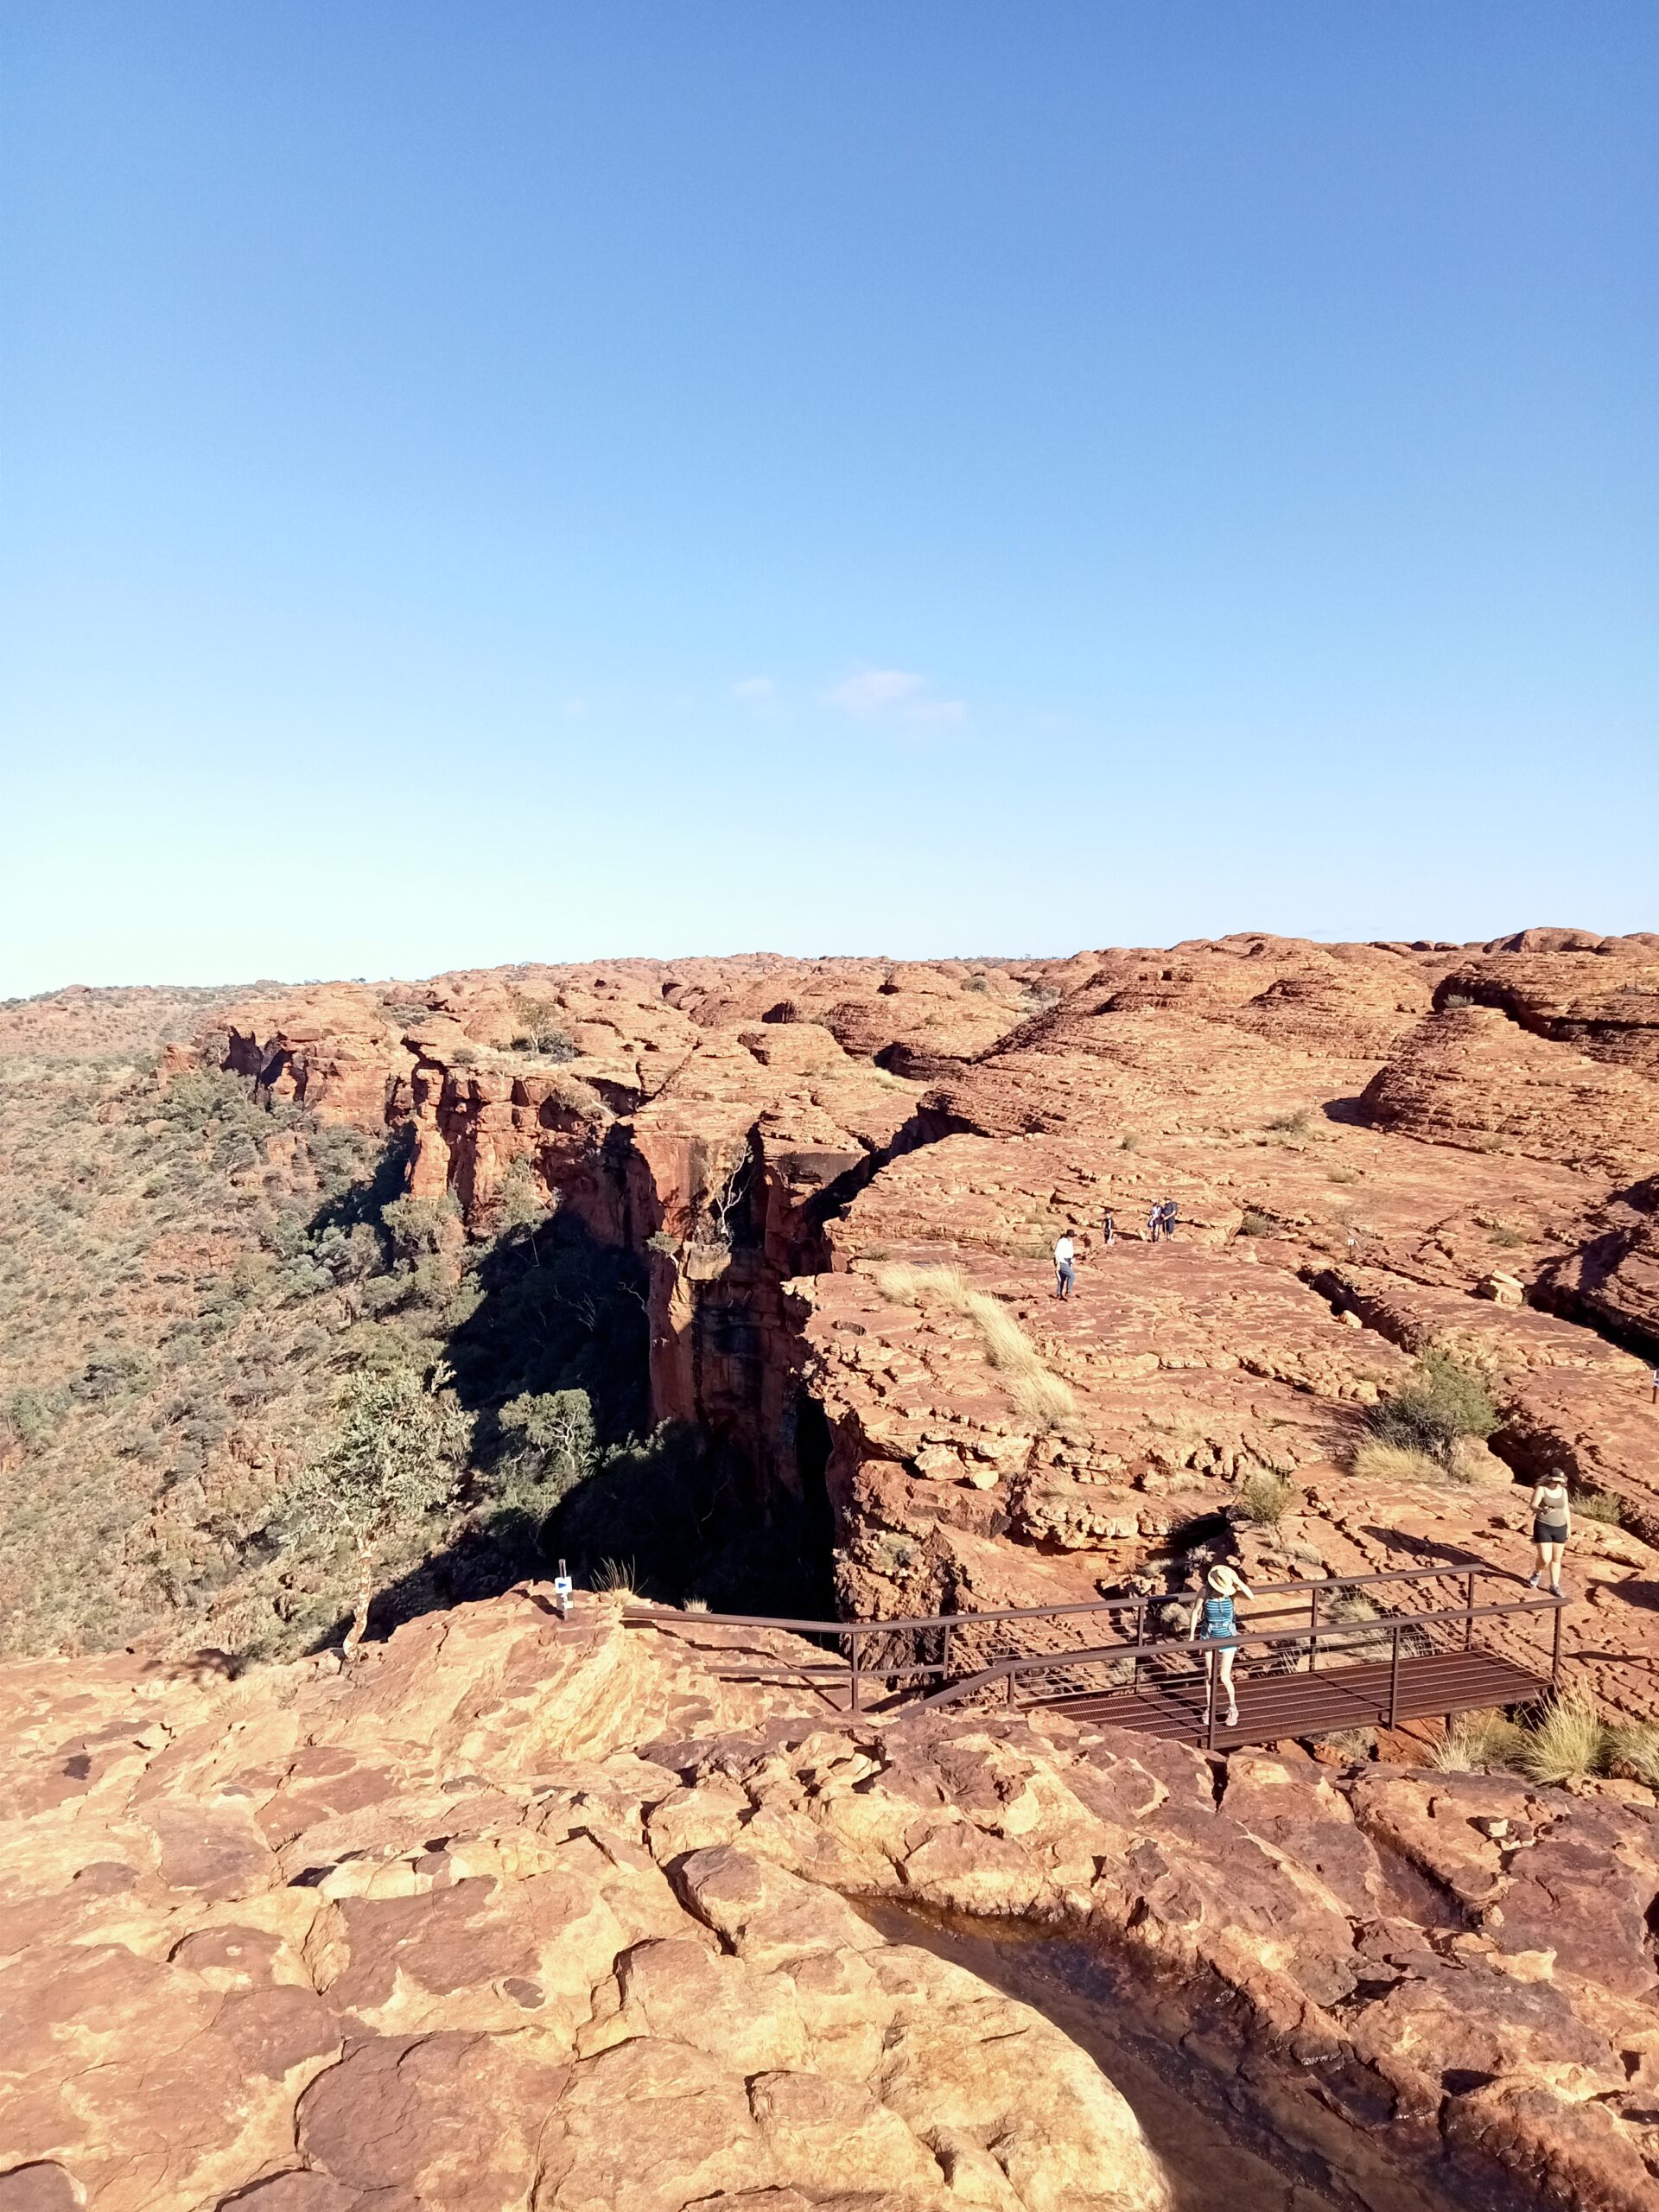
x=1393, y=1626
x=1337, y=1634
x=648, y=1616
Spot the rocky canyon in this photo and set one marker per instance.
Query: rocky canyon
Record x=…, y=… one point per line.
x=730, y=1282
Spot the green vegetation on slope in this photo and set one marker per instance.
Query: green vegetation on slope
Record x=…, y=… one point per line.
x=233, y=1362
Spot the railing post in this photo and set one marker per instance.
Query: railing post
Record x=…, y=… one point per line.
x=1312, y=1627
x=854, y=1644
x=1140, y=1639
x=1394, y=1679
x=1210, y=1700
x=1008, y=1678
x=1469, y=1600
x=1555, y=1648
x=945, y=1656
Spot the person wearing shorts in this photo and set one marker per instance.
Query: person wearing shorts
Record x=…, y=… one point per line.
x=1065, y=1266
x=1552, y=1527
x=1213, y=1616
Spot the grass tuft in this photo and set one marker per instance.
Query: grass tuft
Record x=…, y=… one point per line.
x=1631, y=1748
x=1566, y=1741
x=1396, y=1463
x=1036, y=1394
x=1480, y=1742
x=1265, y=1498
x=1599, y=1505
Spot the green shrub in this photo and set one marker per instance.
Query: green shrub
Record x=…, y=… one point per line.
x=1444, y=1400
x=558, y=1447
x=538, y=1028
x=1599, y=1505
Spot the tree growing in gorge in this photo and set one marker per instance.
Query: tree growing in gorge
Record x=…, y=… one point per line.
x=397, y=1454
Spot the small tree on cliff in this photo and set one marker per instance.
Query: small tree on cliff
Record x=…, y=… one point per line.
x=556, y=1447
x=396, y=1457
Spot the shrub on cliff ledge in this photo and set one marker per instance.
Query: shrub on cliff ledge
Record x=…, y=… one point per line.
x=538, y=1028
x=1445, y=1400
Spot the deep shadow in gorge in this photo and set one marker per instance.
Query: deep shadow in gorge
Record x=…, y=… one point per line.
x=679, y=1512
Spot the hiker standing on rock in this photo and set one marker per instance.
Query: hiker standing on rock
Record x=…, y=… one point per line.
x=1552, y=1527
x=1109, y=1238
x=1169, y=1216
x=1065, y=1266
x=1155, y=1221
x=1213, y=1616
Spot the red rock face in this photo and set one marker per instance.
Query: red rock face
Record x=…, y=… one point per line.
x=1372, y=1148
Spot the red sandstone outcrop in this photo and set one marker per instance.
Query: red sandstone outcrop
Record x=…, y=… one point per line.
x=1602, y=1000
x=1357, y=1177
x=1472, y=1075
x=525, y=1917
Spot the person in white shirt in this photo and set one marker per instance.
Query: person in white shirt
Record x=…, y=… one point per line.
x=1065, y=1266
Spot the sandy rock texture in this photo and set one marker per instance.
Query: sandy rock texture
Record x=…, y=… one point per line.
x=522, y=1913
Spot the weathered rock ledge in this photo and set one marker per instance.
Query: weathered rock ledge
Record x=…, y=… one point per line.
x=519, y=1913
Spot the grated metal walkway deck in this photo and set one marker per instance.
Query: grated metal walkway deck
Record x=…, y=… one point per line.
x=1272, y=1705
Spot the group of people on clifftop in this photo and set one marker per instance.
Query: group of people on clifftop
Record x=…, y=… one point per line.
x=1160, y=1222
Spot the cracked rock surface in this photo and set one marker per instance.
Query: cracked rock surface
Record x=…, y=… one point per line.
x=525, y=1913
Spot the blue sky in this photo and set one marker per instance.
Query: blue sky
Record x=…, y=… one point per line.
x=528, y=481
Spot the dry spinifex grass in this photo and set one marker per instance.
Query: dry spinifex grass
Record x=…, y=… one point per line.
x=1036, y=1394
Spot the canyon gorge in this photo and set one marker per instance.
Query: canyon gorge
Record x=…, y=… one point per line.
x=730, y=1280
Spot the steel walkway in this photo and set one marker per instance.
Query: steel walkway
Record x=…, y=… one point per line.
x=1366, y=1651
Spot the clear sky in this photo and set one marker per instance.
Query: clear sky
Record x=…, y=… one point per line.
x=498, y=480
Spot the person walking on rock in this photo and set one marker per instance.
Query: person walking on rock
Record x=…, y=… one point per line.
x=1169, y=1216
x=1155, y=1221
x=1065, y=1266
x=1109, y=1238
x=1213, y=1618
x=1552, y=1527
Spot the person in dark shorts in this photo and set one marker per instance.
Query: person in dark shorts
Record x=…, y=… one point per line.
x=1552, y=1527
x=1169, y=1216
x=1109, y=1229
x=1154, y=1220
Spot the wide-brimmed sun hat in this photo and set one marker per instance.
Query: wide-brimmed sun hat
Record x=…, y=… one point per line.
x=1222, y=1581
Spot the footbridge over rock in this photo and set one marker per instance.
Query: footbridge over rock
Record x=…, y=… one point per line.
x=1312, y=1657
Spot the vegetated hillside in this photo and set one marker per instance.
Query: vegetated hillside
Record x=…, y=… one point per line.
x=208, y=1305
